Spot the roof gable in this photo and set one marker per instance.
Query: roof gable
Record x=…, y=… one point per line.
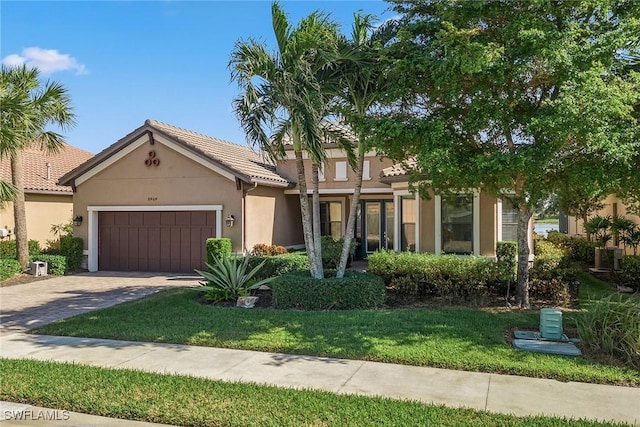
x=231, y=160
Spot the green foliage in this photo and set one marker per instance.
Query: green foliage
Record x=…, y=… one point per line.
x=402, y=290
x=454, y=279
x=355, y=290
x=630, y=275
x=612, y=325
x=9, y=268
x=632, y=238
x=506, y=253
x=217, y=248
x=262, y=249
x=279, y=265
x=598, y=227
x=8, y=248
x=71, y=249
x=331, y=251
x=56, y=264
x=230, y=277
x=580, y=249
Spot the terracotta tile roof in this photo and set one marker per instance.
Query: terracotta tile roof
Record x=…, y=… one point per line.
x=35, y=168
x=397, y=172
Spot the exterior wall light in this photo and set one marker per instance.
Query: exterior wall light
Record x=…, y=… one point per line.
x=77, y=221
x=229, y=220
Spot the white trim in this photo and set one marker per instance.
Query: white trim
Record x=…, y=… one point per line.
x=341, y=172
x=344, y=191
x=92, y=223
x=498, y=220
x=418, y=199
x=397, y=223
x=476, y=222
x=332, y=153
x=155, y=208
x=137, y=143
x=366, y=170
x=438, y=223
x=321, y=176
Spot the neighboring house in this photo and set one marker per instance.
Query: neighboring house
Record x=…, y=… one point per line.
x=150, y=200
x=612, y=206
x=46, y=202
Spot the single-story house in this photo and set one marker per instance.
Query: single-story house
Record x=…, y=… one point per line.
x=151, y=199
x=612, y=206
x=46, y=202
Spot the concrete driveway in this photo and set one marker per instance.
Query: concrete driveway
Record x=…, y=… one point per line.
x=26, y=306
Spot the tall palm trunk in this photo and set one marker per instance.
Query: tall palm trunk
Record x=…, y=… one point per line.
x=522, y=288
x=351, y=221
x=19, y=212
x=306, y=215
x=317, y=241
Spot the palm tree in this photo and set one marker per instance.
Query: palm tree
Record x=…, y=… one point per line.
x=284, y=98
x=362, y=85
x=28, y=108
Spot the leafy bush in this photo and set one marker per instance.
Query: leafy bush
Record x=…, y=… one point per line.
x=332, y=250
x=455, y=279
x=262, y=249
x=402, y=289
x=217, y=248
x=280, y=264
x=9, y=268
x=551, y=279
x=506, y=254
x=580, y=249
x=71, y=248
x=230, y=278
x=630, y=275
x=8, y=248
x=355, y=291
x=612, y=325
x=56, y=264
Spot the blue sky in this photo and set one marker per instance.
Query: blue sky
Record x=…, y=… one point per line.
x=126, y=61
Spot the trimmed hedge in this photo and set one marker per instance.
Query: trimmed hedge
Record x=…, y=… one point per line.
x=217, y=248
x=630, y=275
x=507, y=256
x=452, y=278
x=262, y=249
x=279, y=264
x=8, y=248
x=56, y=264
x=579, y=247
x=71, y=248
x=9, y=268
x=355, y=291
x=332, y=250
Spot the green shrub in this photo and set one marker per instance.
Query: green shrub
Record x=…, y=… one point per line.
x=355, y=291
x=71, y=248
x=230, y=278
x=630, y=275
x=9, y=268
x=332, y=250
x=403, y=290
x=551, y=279
x=612, y=325
x=506, y=254
x=579, y=248
x=262, y=249
x=217, y=248
x=8, y=248
x=452, y=278
x=280, y=264
x=56, y=264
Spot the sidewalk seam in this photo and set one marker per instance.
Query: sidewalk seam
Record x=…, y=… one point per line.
x=486, y=399
x=351, y=377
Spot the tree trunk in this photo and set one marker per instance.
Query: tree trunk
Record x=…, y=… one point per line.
x=306, y=214
x=351, y=222
x=522, y=287
x=315, y=204
x=19, y=213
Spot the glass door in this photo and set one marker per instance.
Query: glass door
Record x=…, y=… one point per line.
x=374, y=227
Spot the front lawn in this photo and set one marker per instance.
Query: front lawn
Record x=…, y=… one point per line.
x=454, y=338
x=189, y=401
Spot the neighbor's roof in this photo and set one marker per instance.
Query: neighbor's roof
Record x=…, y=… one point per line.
x=241, y=161
x=35, y=163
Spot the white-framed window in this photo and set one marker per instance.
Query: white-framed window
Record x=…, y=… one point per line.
x=366, y=170
x=457, y=223
x=341, y=171
x=509, y=219
x=321, y=173
x=408, y=220
x=331, y=219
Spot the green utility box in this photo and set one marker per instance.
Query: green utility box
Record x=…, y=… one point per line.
x=551, y=323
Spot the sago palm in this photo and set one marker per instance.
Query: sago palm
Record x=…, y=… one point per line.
x=29, y=106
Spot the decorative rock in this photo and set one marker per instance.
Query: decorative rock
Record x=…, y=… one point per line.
x=246, y=302
x=264, y=288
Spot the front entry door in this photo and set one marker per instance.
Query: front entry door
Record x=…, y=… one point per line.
x=374, y=227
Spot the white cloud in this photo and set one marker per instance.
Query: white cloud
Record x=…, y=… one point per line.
x=48, y=61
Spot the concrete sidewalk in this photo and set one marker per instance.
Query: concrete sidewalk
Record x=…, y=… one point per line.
x=491, y=392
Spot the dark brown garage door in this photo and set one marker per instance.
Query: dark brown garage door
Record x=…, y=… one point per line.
x=154, y=241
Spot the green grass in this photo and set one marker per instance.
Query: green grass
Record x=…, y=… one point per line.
x=190, y=401
x=547, y=221
x=454, y=338
x=591, y=288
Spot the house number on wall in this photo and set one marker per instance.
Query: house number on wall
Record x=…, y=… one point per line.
x=152, y=159
x=152, y=199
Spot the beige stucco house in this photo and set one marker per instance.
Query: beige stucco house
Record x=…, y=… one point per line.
x=150, y=200
x=46, y=202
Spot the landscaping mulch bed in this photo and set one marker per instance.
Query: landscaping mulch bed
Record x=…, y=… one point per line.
x=21, y=279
